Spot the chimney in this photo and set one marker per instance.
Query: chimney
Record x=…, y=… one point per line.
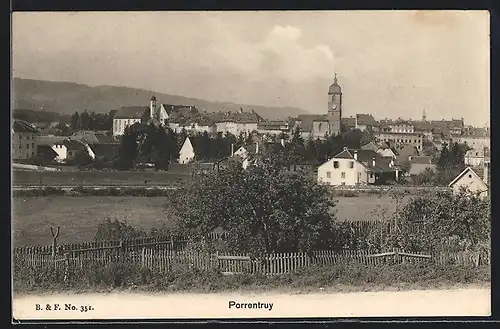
x=345, y=148
x=256, y=147
x=232, y=149
x=373, y=162
x=356, y=155
x=282, y=142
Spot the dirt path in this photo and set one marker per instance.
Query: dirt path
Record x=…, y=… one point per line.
x=470, y=302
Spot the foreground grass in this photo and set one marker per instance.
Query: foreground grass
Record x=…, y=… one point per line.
x=350, y=277
x=78, y=217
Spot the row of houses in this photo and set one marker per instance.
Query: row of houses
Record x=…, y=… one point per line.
x=370, y=165
x=27, y=143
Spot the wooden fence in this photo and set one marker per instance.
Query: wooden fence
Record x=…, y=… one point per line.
x=278, y=263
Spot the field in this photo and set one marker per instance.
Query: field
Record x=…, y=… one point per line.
x=78, y=216
x=176, y=174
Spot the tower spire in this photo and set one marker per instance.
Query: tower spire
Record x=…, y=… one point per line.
x=423, y=116
x=335, y=78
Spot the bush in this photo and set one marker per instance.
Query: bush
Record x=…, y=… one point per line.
x=116, y=230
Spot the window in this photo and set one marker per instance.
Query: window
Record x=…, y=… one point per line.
x=335, y=164
x=342, y=175
x=20, y=136
x=343, y=183
x=33, y=153
x=328, y=174
x=351, y=164
x=371, y=175
x=33, y=145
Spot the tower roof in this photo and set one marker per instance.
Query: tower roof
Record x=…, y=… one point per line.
x=153, y=98
x=334, y=88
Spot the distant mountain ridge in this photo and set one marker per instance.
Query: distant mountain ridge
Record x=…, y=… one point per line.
x=68, y=97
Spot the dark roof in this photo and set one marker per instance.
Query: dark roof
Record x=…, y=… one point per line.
x=240, y=117
x=365, y=119
x=20, y=126
x=85, y=136
x=272, y=125
x=370, y=146
x=104, y=149
x=366, y=157
x=423, y=159
x=46, y=150
x=75, y=145
x=306, y=120
x=349, y=122
x=50, y=140
x=132, y=112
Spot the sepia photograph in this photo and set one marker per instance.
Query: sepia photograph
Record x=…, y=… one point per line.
x=250, y=164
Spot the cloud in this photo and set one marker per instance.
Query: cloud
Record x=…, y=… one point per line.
x=280, y=55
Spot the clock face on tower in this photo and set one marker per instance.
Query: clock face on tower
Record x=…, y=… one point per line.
x=334, y=107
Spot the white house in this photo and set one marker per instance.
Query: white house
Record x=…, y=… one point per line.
x=238, y=122
x=471, y=181
x=357, y=167
x=474, y=157
x=186, y=153
x=66, y=149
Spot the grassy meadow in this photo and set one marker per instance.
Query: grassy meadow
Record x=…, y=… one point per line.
x=78, y=216
x=21, y=177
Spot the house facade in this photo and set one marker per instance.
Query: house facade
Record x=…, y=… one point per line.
x=357, y=167
x=24, y=140
x=469, y=180
x=238, y=123
x=400, y=140
x=186, y=153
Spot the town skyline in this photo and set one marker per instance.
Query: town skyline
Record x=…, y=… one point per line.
x=270, y=56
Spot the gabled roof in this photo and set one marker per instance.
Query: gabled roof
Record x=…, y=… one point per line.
x=20, y=126
x=467, y=170
x=74, y=145
x=365, y=119
x=132, y=112
x=366, y=157
x=370, y=146
x=239, y=117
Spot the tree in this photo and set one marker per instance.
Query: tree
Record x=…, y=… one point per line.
x=128, y=150
x=263, y=209
x=455, y=219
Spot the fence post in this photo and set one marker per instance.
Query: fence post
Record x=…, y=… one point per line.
x=143, y=257
x=66, y=267
x=55, y=235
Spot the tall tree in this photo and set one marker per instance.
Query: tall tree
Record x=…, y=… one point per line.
x=263, y=209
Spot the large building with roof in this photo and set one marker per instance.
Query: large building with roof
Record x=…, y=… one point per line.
x=126, y=116
x=24, y=140
x=321, y=125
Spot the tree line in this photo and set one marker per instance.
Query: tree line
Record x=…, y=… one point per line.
x=160, y=146
x=91, y=120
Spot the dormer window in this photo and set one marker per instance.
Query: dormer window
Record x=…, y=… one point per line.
x=335, y=164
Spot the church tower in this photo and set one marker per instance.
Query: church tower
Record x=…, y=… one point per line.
x=152, y=108
x=335, y=107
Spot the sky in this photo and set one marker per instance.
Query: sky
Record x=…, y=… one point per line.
x=389, y=63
